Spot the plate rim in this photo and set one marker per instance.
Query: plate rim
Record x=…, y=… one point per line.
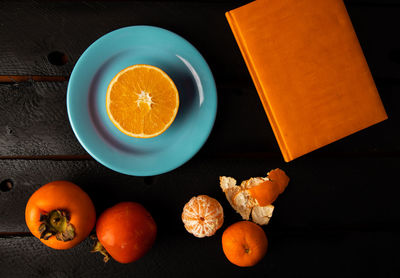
x=148, y=172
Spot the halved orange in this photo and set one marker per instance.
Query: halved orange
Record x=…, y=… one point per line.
x=142, y=101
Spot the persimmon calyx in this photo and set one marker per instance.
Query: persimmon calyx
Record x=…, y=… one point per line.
x=56, y=223
x=98, y=247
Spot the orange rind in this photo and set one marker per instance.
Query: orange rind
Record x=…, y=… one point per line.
x=254, y=197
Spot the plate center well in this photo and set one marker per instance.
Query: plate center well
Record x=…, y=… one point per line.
x=180, y=72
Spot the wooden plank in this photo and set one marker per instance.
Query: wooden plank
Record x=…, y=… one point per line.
x=93, y=19
x=48, y=157
x=29, y=78
x=290, y=254
x=335, y=193
x=26, y=44
x=34, y=122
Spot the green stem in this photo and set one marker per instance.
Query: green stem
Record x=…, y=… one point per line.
x=98, y=247
x=56, y=223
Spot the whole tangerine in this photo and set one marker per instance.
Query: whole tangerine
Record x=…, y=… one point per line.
x=244, y=243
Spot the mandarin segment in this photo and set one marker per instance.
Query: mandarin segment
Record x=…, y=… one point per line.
x=142, y=101
x=202, y=216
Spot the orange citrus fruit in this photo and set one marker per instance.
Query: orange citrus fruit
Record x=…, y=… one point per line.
x=203, y=216
x=142, y=101
x=244, y=243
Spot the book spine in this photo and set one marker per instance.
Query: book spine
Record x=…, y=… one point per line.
x=243, y=49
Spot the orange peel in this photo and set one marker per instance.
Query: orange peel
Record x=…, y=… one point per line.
x=255, y=196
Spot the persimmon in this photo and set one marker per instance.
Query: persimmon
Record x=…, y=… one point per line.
x=126, y=232
x=244, y=243
x=60, y=214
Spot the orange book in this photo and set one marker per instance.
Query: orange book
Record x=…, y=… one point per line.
x=309, y=71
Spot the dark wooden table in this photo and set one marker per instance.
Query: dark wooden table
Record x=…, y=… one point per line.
x=339, y=216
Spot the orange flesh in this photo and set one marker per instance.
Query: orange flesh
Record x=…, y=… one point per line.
x=202, y=216
x=142, y=101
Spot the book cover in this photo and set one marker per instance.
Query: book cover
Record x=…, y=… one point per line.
x=309, y=71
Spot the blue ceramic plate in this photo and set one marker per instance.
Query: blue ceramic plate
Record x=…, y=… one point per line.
x=87, y=93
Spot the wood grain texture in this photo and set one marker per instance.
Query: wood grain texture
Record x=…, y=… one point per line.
x=34, y=122
x=290, y=254
x=30, y=78
x=47, y=28
x=324, y=194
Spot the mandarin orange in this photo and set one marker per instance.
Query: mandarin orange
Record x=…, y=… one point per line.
x=202, y=216
x=244, y=243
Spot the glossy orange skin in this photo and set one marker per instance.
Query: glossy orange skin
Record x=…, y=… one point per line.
x=62, y=195
x=267, y=192
x=241, y=237
x=127, y=231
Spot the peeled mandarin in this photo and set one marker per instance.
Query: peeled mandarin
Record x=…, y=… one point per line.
x=202, y=216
